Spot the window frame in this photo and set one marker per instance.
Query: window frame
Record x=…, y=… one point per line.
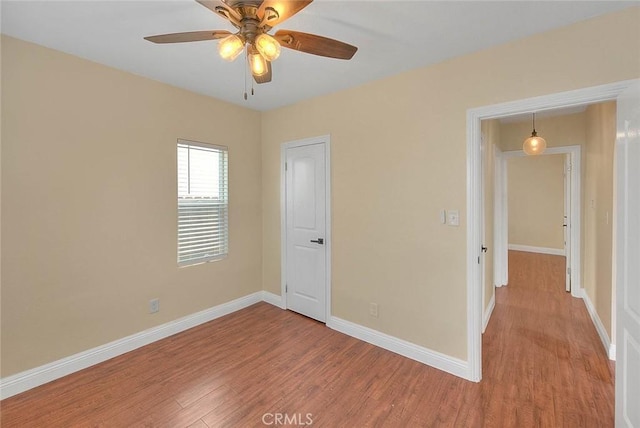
x=221, y=233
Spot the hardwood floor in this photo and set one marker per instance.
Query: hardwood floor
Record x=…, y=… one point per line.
x=543, y=366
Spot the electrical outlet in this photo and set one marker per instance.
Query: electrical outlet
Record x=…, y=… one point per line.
x=154, y=305
x=453, y=217
x=373, y=310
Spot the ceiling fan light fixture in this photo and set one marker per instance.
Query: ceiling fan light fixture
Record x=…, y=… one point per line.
x=257, y=63
x=534, y=145
x=268, y=47
x=230, y=47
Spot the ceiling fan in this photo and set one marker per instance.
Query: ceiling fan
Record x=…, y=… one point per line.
x=254, y=19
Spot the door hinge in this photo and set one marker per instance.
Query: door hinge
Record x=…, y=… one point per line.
x=286, y=288
x=478, y=259
x=568, y=271
x=286, y=166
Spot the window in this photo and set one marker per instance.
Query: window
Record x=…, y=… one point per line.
x=203, y=206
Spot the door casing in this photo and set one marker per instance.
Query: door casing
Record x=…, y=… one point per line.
x=627, y=251
x=326, y=141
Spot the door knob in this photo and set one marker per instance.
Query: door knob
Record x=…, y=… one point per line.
x=318, y=241
x=484, y=249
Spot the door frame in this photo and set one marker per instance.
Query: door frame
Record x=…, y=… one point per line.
x=324, y=140
x=569, y=191
x=500, y=221
x=574, y=153
x=573, y=98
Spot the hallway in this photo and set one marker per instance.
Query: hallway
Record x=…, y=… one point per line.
x=542, y=353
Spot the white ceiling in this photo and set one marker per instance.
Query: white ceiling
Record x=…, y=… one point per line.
x=392, y=37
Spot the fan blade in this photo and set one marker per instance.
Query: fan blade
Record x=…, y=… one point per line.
x=285, y=9
x=316, y=45
x=193, y=36
x=265, y=78
x=215, y=5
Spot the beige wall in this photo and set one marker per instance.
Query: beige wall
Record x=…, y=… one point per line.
x=399, y=156
x=89, y=204
x=598, y=208
x=491, y=140
x=535, y=199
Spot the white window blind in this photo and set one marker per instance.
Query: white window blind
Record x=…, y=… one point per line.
x=203, y=207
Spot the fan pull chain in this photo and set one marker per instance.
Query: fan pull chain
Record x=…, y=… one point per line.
x=245, y=83
x=245, y=77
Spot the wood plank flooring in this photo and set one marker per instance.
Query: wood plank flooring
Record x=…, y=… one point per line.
x=543, y=366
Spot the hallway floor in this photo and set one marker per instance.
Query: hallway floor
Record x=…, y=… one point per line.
x=542, y=352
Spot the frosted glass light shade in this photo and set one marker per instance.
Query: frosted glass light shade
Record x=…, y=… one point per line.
x=534, y=145
x=268, y=47
x=257, y=63
x=230, y=47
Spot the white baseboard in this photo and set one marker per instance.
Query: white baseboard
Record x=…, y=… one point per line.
x=273, y=299
x=541, y=250
x=20, y=382
x=423, y=355
x=612, y=352
x=28, y=379
x=604, y=337
x=486, y=316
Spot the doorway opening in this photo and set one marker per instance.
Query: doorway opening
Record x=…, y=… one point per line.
x=475, y=224
x=560, y=234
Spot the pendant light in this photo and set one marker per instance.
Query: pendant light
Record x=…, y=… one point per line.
x=534, y=145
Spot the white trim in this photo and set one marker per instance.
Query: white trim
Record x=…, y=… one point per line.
x=474, y=227
x=474, y=236
x=612, y=352
x=28, y=379
x=541, y=250
x=326, y=140
x=273, y=299
x=602, y=332
x=283, y=226
x=423, y=355
x=500, y=222
x=488, y=311
x=327, y=206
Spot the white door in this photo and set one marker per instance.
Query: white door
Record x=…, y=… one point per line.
x=628, y=259
x=566, y=225
x=306, y=254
